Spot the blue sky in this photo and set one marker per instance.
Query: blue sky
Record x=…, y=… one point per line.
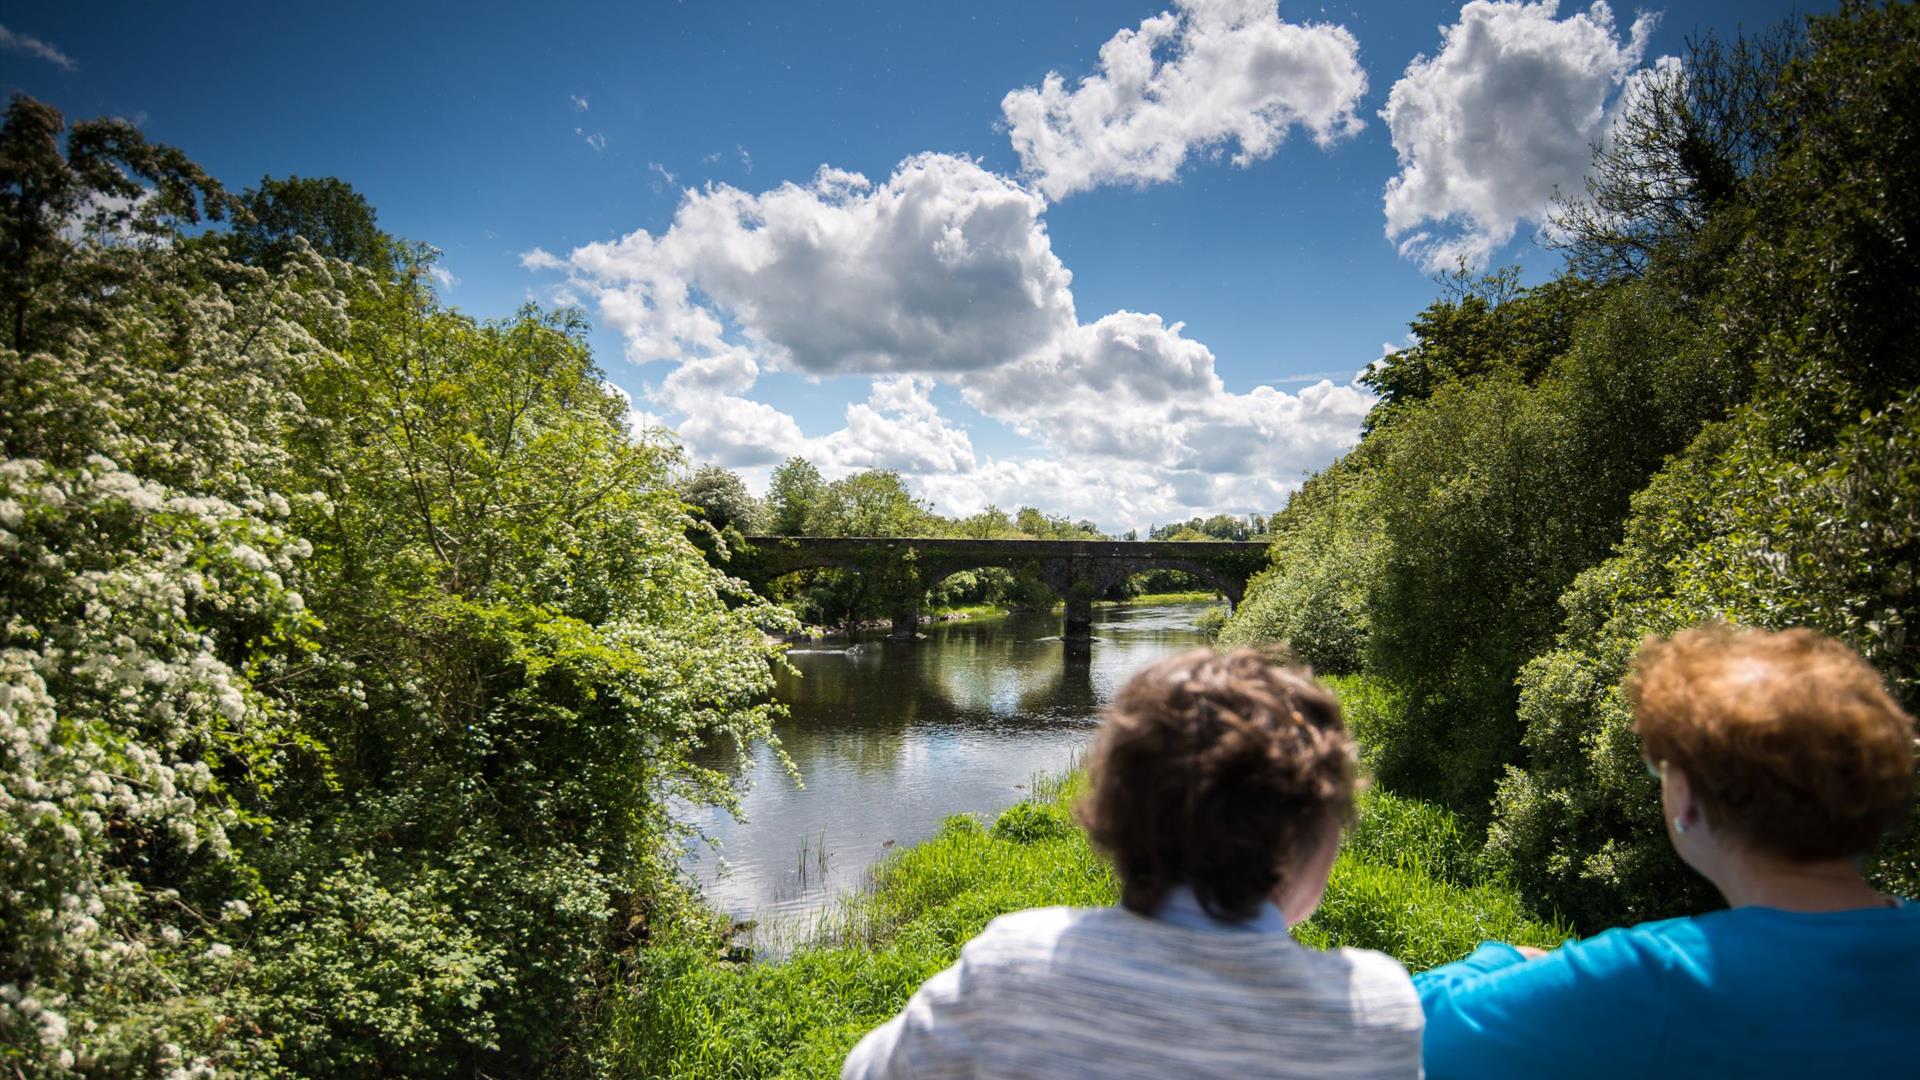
x=990, y=305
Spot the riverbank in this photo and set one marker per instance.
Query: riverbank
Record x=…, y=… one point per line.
x=1196, y=596
x=964, y=614
x=1403, y=884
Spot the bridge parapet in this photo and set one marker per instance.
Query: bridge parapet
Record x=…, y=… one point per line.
x=1079, y=570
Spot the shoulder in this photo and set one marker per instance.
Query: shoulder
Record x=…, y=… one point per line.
x=1378, y=987
x=1032, y=927
x=1034, y=935
x=1649, y=947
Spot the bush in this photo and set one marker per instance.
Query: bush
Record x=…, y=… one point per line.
x=353, y=654
x=1733, y=531
x=1026, y=822
x=1313, y=599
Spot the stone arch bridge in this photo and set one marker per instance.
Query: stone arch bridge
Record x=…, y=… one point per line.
x=1078, y=570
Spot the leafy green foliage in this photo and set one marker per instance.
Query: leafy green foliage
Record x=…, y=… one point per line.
x=354, y=654
x=1487, y=325
x=1799, y=511
x=722, y=500
x=1730, y=532
x=1314, y=597
x=111, y=186
x=1026, y=822
x=323, y=212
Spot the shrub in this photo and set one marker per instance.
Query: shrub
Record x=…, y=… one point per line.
x=1737, y=532
x=1026, y=822
x=1313, y=598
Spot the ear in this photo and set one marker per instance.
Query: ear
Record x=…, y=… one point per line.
x=1677, y=798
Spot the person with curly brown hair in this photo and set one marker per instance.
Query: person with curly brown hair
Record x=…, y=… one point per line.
x=1220, y=785
x=1782, y=761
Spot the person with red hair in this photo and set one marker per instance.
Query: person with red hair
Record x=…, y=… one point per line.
x=1782, y=761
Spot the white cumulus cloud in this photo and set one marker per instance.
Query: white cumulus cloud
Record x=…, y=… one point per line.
x=1128, y=388
x=941, y=280
x=1193, y=80
x=1502, y=117
x=898, y=427
x=943, y=267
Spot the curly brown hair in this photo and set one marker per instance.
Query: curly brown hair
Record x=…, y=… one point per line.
x=1789, y=738
x=1217, y=772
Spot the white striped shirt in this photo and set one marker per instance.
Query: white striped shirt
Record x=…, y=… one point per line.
x=1072, y=992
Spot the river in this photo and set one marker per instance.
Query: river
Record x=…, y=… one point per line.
x=892, y=737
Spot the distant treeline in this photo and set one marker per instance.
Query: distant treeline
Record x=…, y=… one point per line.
x=877, y=502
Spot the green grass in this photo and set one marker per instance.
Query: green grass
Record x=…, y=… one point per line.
x=1191, y=596
x=967, y=612
x=1412, y=835
x=1404, y=885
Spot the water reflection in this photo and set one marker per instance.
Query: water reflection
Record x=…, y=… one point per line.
x=890, y=738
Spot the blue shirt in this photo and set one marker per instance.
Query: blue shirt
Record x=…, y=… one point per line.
x=1749, y=992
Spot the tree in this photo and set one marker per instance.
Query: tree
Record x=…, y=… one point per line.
x=522, y=651
x=327, y=212
x=1227, y=527
x=795, y=495
x=1798, y=509
x=873, y=503
x=110, y=185
x=354, y=654
x=989, y=524
x=1484, y=324
x=1688, y=137
x=722, y=499
x=1032, y=522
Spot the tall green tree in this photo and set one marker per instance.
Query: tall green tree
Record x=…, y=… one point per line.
x=333, y=218
x=795, y=497
x=354, y=655
x=1797, y=510
x=722, y=500
x=108, y=183
x=872, y=503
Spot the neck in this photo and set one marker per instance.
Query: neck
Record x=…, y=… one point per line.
x=1748, y=880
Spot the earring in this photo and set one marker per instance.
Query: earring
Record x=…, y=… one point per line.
x=1679, y=824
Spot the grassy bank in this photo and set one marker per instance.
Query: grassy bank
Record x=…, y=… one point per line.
x=1192, y=596
x=967, y=613
x=1405, y=884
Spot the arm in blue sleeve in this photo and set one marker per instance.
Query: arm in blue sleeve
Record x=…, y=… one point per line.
x=1490, y=956
x=1585, y=1009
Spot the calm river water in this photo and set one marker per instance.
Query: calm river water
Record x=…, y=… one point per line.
x=890, y=738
